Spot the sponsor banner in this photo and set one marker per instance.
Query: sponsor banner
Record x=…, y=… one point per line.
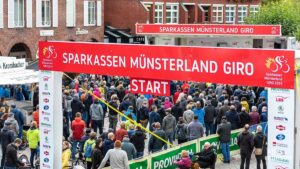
x=8, y=64
x=214, y=140
x=139, y=164
x=147, y=86
x=208, y=29
x=257, y=67
x=46, y=119
x=165, y=160
x=281, y=123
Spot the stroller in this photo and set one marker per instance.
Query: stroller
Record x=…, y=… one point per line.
x=24, y=159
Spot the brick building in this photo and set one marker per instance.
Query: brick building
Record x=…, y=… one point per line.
x=123, y=14
x=25, y=22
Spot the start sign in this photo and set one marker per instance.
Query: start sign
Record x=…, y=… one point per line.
x=146, y=86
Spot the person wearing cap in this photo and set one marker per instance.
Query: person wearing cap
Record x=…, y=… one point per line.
x=224, y=130
x=33, y=137
x=246, y=143
x=7, y=136
x=20, y=119
x=117, y=157
x=128, y=147
x=11, y=119
x=11, y=155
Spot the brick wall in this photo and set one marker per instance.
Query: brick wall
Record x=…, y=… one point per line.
x=124, y=14
x=31, y=36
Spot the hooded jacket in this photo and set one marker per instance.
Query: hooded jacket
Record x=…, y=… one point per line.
x=96, y=111
x=210, y=113
x=138, y=140
x=14, y=124
x=233, y=118
x=245, y=142
x=76, y=106
x=33, y=137
x=107, y=145
x=128, y=148
x=78, y=126
x=155, y=143
x=200, y=113
x=188, y=116
x=7, y=136
x=181, y=127
x=169, y=123
x=260, y=141
x=68, y=102
x=18, y=116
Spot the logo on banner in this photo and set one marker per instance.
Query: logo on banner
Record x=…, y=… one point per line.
x=46, y=139
x=46, y=107
x=280, y=127
x=280, y=119
x=275, y=144
x=46, y=86
x=45, y=113
x=46, y=93
x=46, y=100
x=46, y=146
x=280, y=167
x=280, y=152
x=45, y=124
x=140, y=28
x=46, y=153
x=280, y=137
x=280, y=109
x=46, y=165
x=46, y=118
x=46, y=131
x=49, y=52
x=280, y=98
x=46, y=78
x=279, y=63
x=280, y=160
x=46, y=160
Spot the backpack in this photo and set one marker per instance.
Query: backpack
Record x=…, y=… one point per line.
x=88, y=150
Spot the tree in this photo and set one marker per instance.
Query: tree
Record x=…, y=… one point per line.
x=283, y=12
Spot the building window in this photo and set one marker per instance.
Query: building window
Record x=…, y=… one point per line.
x=254, y=10
x=159, y=13
x=172, y=14
x=92, y=13
x=217, y=14
x=206, y=13
x=230, y=14
x=19, y=13
x=46, y=13
x=242, y=13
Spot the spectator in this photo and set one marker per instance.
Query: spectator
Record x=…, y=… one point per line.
x=35, y=116
x=78, y=126
x=104, y=135
x=236, y=103
x=120, y=133
x=143, y=114
x=169, y=125
x=129, y=111
x=188, y=115
x=264, y=114
x=20, y=119
x=67, y=106
x=167, y=103
x=206, y=158
x=198, y=111
x=66, y=129
x=254, y=116
x=245, y=142
x=97, y=155
x=66, y=155
x=76, y=106
x=224, y=131
x=210, y=114
x=185, y=161
x=11, y=119
x=153, y=117
x=131, y=130
x=245, y=104
x=233, y=118
x=195, y=129
x=177, y=111
x=222, y=111
x=260, y=144
x=244, y=117
x=261, y=105
x=108, y=143
x=156, y=144
x=140, y=100
x=117, y=157
x=128, y=147
x=138, y=140
x=181, y=131
x=113, y=115
x=33, y=138
x=96, y=113
x=11, y=155
x=88, y=149
x=7, y=136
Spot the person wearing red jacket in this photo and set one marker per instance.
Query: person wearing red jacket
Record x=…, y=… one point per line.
x=120, y=133
x=78, y=126
x=35, y=115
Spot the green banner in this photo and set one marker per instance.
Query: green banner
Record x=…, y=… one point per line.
x=215, y=141
x=140, y=164
x=165, y=160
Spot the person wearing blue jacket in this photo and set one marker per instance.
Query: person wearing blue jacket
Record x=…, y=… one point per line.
x=19, y=117
x=198, y=111
x=129, y=111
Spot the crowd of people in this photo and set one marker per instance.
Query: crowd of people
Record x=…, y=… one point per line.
x=193, y=110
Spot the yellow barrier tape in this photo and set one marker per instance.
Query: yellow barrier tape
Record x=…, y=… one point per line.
x=120, y=113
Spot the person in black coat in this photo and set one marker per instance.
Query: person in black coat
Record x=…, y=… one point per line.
x=210, y=114
x=11, y=158
x=260, y=141
x=233, y=118
x=7, y=136
x=246, y=143
x=224, y=130
x=138, y=140
x=76, y=106
x=177, y=111
x=207, y=157
x=97, y=155
x=244, y=117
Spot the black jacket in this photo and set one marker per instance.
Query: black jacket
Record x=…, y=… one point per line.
x=142, y=114
x=11, y=158
x=7, y=136
x=76, y=106
x=245, y=142
x=206, y=158
x=97, y=157
x=111, y=111
x=260, y=140
x=138, y=140
x=244, y=118
x=177, y=111
x=155, y=143
x=210, y=113
x=221, y=113
x=233, y=118
x=224, y=131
